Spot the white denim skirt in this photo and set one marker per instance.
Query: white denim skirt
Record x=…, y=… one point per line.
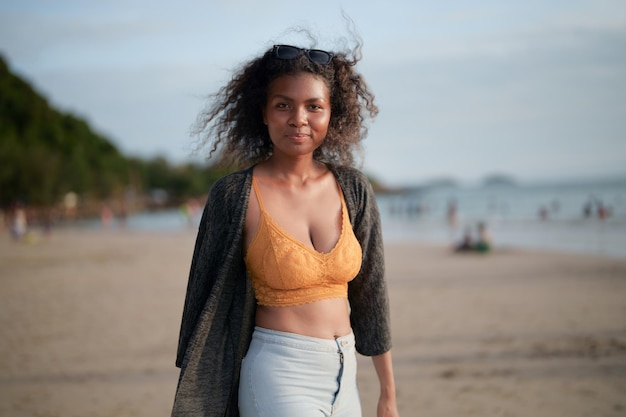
x=290, y=375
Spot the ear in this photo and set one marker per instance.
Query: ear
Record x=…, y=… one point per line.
x=264, y=116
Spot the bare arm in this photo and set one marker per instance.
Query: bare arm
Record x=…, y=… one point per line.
x=387, y=405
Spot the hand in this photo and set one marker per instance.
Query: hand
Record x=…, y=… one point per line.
x=387, y=407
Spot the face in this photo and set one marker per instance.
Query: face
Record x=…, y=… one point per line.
x=297, y=113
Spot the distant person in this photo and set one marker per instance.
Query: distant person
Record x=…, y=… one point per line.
x=587, y=209
x=19, y=226
x=189, y=210
x=184, y=211
x=603, y=211
x=466, y=243
x=281, y=340
x=106, y=216
x=483, y=243
x=451, y=214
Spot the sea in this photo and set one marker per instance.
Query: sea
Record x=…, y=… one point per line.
x=583, y=217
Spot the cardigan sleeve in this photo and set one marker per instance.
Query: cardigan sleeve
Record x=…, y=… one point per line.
x=367, y=293
x=201, y=280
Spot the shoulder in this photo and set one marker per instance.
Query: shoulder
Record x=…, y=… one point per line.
x=350, y=177
x=354, y=183
x=342, y=171
x=231, y=181
x=229, y=192
x=231, y=185
x=358, y=194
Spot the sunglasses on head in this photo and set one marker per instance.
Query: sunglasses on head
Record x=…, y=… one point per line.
x=292, y=52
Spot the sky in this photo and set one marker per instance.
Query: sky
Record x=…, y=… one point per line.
x=535, y=89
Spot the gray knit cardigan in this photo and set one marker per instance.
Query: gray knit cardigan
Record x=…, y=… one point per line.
x=219, y=310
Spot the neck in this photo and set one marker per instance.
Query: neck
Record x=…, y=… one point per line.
x=293, y=170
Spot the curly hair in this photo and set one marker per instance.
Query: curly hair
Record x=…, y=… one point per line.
x=233, y=122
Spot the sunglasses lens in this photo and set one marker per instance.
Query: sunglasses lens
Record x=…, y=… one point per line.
x=292, y=52
x=319, y=56
x=287, y=52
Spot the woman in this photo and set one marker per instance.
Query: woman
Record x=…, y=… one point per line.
x=288, y=264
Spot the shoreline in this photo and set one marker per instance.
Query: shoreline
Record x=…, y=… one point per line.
x=91, y=318
x=562, y=231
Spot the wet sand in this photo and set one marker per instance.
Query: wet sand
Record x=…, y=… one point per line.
x=90, y=323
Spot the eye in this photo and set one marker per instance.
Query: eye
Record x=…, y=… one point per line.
x=315, y=107
x=281, y=106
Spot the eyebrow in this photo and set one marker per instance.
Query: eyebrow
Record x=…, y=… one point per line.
x=284, y=97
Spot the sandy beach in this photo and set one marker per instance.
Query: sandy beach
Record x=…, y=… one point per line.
x=90, y=323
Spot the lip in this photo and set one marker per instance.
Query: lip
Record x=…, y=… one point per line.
x=298, y=137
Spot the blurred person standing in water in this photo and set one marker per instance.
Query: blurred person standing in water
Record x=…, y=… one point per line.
x=287, y=277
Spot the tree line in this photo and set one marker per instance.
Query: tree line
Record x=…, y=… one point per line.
x=46, y=154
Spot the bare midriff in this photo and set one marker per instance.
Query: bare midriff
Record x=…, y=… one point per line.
x=324, y=319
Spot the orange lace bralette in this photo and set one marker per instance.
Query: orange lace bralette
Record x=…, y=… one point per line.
x=285, y=272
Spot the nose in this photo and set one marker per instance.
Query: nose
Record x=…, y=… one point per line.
x=298, y=117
